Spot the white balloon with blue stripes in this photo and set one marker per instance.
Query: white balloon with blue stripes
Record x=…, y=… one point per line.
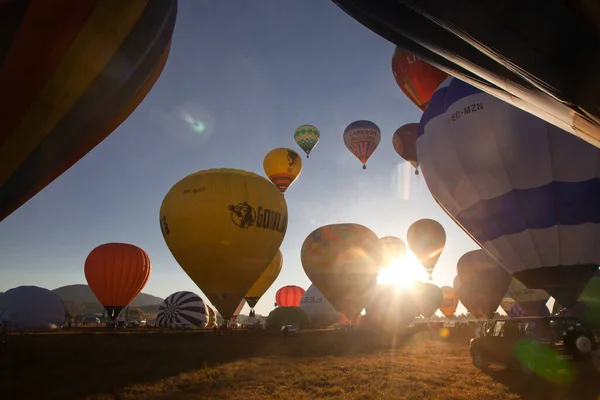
x=525, y=190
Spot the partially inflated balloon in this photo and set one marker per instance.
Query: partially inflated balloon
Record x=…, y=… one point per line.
x=428, y=298
x=483, y=282
x=318, y=308
x=449, y=301
x=282, y=167
x=405, y=144
x=391, y=308
x=224, y=227
x=265, y=280
x=417, y=79
x=362, y=138
x=342, y=260
x=522, y=294
x=289, y=296
x=117, y=273
x=212, y=318
x=426, y=239
x=524, y=190
x=75, y=70
x=307, y=137
x=393, y=249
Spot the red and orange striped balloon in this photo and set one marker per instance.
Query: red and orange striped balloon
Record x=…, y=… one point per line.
x=289, y=296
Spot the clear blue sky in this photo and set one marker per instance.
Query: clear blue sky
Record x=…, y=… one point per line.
x=252, y=71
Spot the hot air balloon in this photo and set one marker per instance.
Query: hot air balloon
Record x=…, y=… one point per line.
x=507, y=303
x=417, y=79
x=393, y=249
x=224, y=227
x=318, y=308
x=182, y=308
x=265, y=281
x=426, y=239
x=427, y=297
x=117, y=273
x=307, y=137
x=449, y=301
x=526, y=53
x=362, y=138
x=287, y=315
x=75, y=71
x=342, y=260
x=518, y=310
x=238, y=309
x=521, y=188
x=391, y=308
x=587, y=307
x=289, y=296
x=483, y=282
x=31, y=308
x=282, y=166
x=404, y=141
x=212, y=318
x=522, y=294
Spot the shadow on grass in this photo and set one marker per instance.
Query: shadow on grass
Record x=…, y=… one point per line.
x=73, y=366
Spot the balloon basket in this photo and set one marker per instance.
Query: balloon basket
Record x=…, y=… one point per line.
x=364, y=167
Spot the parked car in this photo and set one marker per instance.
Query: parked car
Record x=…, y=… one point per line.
x=527, y=342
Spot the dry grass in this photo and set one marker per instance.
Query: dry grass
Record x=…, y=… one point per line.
x=93, y=364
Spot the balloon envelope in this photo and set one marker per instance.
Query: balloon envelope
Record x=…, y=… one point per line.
x=342, y=260
x=426, y=239
x=404, y=141
x=289, y=296
x=224, y=227
x=526, y=53
x=362, y=139
x=182, y=308
x=318, y=308
x=428, y=298
x=265, y=280
x=521, y=188
x=416, y=78
x=70, y=87
x=31, y=308
x=449, y=301
x=282, y=166
x=307, y=137
x=393, y=250
x=391, y=308
x=117, y=273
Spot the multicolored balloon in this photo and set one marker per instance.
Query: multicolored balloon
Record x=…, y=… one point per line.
x=224, y=227
x=427, y=239
x=307, y=137
x=282, y=166
x=417, y=79
x=404, y=141
x=116, y=273
x=523, y=189
x=362, y=138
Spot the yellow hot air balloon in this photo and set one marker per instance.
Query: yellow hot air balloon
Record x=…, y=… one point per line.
x=449, y=301
x=224, y=226
x=265, y=280
x=342, y=261
x=282, y=166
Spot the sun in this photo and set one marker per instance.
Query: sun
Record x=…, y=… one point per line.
x=402, y=272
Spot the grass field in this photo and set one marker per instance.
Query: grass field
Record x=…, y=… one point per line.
x=96, y=364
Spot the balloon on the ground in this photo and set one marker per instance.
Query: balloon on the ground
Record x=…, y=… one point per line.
x=224, y=227
x=391, y=308
x=182, y=308
x=287, y=316
x=282, y=166
x=426, y=239
x=427, y=297
x=526, y=53
x=31, y=308
x=117, y=273
x=212, y=318
x=483, y=282
x=449, y=301
x=343, y=260
x=522, y=294
x=265, y=280
x=417, y=79
x=289, y=296
x=362, y=138
x=75, y=71
x=393, y=249
x=404, y=141
x=520, y=187
x=318, y=308
x=539, y=310
x=307, y=137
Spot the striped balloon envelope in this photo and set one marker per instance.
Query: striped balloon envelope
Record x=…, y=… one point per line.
x=183, y=308
x=362, y=139
x=289, y=296
x=71, y=71
x=525, y=190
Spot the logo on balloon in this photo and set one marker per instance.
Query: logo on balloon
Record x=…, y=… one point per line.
x=242, y=214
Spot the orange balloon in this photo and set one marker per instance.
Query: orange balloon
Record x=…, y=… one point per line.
x=116, y=274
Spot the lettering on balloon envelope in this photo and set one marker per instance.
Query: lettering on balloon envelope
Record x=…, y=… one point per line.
x=245, y=216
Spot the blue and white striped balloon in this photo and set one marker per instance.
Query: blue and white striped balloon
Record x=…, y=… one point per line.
x=525, y=190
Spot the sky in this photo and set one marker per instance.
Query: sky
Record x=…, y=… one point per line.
x=251, y=72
